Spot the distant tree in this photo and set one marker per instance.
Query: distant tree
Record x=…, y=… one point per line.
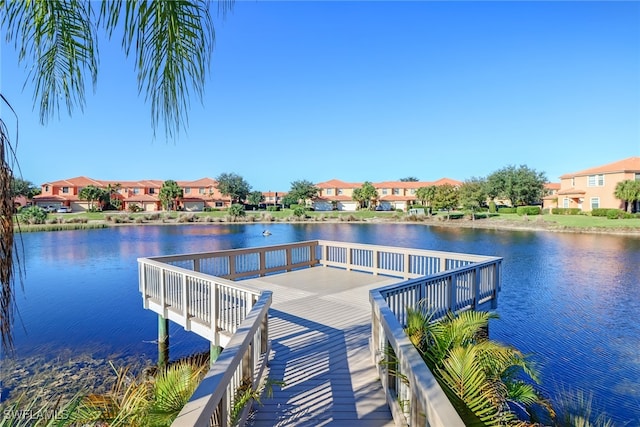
x=22, y=187
x=114, y=201
x=426, y=196
x=233, y=186
x=288, y=200
x=93, y=194
x=629, y=192
x=446, y=198
x=170, y=193
x=472, y=195
x=409, y=179
x=521, y=185
x=303, y=190
x=365, y=195
x=255, y=198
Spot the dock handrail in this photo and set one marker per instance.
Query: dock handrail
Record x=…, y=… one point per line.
x=243, y=360
x=198, y=291
x=408, y=380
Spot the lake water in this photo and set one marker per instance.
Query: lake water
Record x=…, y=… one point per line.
x=573, y=300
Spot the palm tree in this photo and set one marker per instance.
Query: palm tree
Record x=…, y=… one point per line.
x=482, y=374
x=143, y=401
x=171, y=43
x=629, y=192
x=426, y=196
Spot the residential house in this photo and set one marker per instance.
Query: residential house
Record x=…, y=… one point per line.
x=594, y=187
x=336, y=195
x=272, y=198
x=201, y=194
x=392, y=195
x=197, y=195
x=65, y=193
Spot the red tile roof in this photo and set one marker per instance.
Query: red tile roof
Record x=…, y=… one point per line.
x=632, y=164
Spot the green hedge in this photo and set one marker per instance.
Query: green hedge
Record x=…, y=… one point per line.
x=566, y=211
x=507, y=210
x=599, y=212
x=492, y=207
x=528, y=210
x=619, y=214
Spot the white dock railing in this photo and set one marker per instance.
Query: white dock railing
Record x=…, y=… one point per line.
x=413, y=394
x=198, y=292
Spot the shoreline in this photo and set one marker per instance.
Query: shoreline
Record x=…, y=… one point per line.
x=496, y=224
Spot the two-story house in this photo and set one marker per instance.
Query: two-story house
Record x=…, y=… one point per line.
x=144, y=195
x=392, y=195
x=594, y=187
x=336, y=194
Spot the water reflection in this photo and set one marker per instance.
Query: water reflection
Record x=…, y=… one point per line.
x=571, y=299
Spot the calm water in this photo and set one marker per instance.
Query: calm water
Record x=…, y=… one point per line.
x=573, y=300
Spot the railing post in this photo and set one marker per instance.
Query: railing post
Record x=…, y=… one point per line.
x=185, y=303
x=263, y=264
x=163, y=296
x=232, y=266
x=348, y=260
x=289, y=259
x=375, y=261
x=196, y=264
x=452, y=292
x=476, y=287
x=406, y=266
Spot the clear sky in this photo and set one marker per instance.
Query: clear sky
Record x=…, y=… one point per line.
x=361, y=91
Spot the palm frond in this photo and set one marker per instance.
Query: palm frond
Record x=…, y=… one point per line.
x=172, y=42
x=59, y=38
x=172, y=389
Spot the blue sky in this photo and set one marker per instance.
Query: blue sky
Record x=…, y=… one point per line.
x=365, y=91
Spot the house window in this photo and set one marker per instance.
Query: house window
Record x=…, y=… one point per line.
x=136, y=190
x=152, y=191
x=384, y=191
x=595, y=203
x=595, y=181
x=187, y=190
x=339, y=190
x=329, y=191
x=565, y=203
x=637, y=177
x=396, y=191
x=219, y=204
x=573, y=182
x=46, y=188
x=412, y=191
x=65, y=189
x=201, y=190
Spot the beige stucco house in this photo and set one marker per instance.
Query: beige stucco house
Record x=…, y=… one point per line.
x=594, y=187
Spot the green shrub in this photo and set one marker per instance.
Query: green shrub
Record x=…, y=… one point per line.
x=528, y=210
x=507, y=210
x=566, y=211
x=492, y=207
x=299, y=212
x=618, y=214
x=273, y=208
x=236, y=210
x=599, y=212
x=33, y=215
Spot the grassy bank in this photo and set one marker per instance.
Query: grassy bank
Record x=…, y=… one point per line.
x=577, y=223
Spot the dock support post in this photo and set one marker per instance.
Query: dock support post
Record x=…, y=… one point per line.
x=163, y=341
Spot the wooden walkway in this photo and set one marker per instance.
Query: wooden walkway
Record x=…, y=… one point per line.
x=320, y=326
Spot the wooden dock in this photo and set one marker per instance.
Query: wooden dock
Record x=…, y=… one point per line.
x=320, y=326
x=322, y=314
